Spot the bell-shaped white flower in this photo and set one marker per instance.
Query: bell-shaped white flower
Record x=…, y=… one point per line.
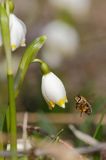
x=17, y=32
x=53, y=90
x=63, y=41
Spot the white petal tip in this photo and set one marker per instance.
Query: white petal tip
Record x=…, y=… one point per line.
x=23, y=44
x=63, y=106
x=13, y=47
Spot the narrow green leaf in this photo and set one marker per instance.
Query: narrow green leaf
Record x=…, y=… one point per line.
x=3, y=110
x=98, y=128
x=26, y=60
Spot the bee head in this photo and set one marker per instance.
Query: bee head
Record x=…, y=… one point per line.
x=78, y=98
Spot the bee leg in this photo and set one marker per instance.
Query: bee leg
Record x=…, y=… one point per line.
x=77, y=106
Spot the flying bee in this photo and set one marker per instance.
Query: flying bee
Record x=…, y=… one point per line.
x=83, y=105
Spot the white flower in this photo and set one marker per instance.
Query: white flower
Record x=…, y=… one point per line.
x=53, y=90
x=63, y=41
x=17, y=32
x=61, y=37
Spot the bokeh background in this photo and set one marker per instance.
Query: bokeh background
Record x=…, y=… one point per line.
x=75, y=50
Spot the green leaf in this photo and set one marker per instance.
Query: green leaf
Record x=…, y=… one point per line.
x=26, y=60
x=98, y=128
x=3, y=110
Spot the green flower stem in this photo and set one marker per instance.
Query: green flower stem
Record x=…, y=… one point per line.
x=12, y=111
x=44, y=66
x=7, y=7
x=11, y=99
x=37, y=60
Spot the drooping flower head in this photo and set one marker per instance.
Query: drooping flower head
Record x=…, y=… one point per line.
x=17, y=32
x=53, y=90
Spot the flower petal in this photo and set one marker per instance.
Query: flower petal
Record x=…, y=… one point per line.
x=53, y=90
x=17, y=32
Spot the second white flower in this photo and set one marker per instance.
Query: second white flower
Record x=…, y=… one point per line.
x=17, y=32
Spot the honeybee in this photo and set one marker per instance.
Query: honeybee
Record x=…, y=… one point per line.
x=83, y=105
